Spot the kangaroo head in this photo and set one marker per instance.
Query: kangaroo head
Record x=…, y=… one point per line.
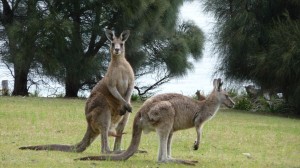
x=117, y=46
x=221, y=94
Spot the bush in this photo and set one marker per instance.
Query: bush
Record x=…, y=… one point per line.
x=233, y=92
x=135, y=97
x=243, y=103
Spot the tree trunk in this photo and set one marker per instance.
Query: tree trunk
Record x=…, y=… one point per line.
x=72, y=66
x=20, y=84
x=72, y=85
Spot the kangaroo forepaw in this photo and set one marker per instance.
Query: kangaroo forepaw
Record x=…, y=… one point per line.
x=125, y=108
x=128, y=108
x=122, y=111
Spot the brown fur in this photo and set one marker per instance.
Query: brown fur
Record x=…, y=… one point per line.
x=107, y=104
x=167, y=113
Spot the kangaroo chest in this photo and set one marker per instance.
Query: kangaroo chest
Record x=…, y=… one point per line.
x=122, y=84
x=121, y=76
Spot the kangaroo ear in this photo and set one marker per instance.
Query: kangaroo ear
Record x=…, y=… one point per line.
x=109, y=34
x=220, y=83
x=215, y=83
x=124, y=35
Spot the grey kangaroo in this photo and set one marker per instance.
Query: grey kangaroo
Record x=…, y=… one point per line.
x=167, y=113
x=106, y=107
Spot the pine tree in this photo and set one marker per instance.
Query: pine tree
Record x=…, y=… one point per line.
x=22, y=24
x=259, y=41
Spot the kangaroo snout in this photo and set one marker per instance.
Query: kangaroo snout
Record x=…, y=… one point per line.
x=117, y=50
x=230, y=104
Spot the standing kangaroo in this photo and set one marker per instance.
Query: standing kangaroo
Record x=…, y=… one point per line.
x=167, y=113
x=105, y=109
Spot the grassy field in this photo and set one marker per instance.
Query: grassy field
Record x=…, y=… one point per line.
x=231, y=139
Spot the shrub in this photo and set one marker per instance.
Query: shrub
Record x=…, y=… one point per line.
x=135, y=97
x=243, y=103
x=233, y=92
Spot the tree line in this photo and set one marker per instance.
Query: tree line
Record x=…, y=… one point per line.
x=259, y=40
x=64, y=40
x=256, y=40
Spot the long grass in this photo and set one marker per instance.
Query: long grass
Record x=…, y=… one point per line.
x=231, y=139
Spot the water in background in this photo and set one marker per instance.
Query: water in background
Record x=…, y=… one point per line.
x=198, y=79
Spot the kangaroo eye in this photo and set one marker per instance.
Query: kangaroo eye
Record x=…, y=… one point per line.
x=113, y=45
x=121, y=44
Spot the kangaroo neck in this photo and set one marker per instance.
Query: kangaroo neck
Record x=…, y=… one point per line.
x=211, y=106
x=117, y=58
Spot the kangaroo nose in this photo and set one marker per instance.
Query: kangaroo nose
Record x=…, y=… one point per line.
x=117, y=50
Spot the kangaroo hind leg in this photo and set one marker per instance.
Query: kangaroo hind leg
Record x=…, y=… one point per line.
x=119, y=131
x=101, y=123
x=163, y=115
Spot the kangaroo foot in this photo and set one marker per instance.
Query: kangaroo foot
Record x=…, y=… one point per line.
x=113, y=134
x=196, y=145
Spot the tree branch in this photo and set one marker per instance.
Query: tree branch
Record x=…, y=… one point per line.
x=95, y=47
x=158, y=83
x=8, y=67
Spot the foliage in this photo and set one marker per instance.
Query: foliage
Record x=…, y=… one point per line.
x=232, y=92
x=70, y=46
x=242, y=100
x=273, y=106
x=243, y=103
x=21, y=23
x=259, y=41
x=135, y=97
x=226, y=138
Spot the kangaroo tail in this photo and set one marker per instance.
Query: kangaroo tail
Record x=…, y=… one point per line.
x=55, y=147
x=80, y=147
x=133, y=147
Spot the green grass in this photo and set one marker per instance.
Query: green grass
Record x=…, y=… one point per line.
x=271, y=141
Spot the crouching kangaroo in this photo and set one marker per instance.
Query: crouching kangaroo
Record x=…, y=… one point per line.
x=167, y=113
x=106, y=107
